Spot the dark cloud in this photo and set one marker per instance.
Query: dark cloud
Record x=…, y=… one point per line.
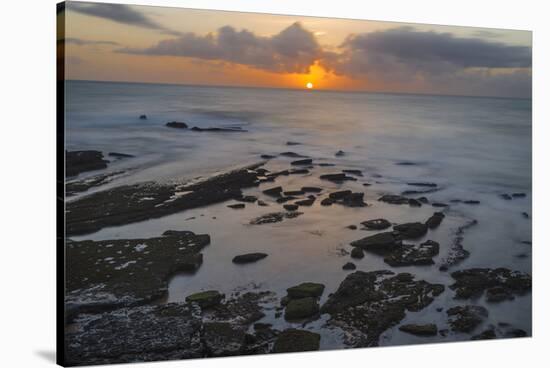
x=81, y=42
x=119, y=13
x=293, y=50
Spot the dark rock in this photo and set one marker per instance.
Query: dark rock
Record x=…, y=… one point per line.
x=292, y=340
x=262, y=326
x=77, y=162
x=292, y=154
x=301, y=308
x=457, y=253
x=339, y=153
x=435, y=220
x=414, y=203
x=519, y=195
x=74, y=187
x=145, y=333
x=525, y=215
x=466, y=318
x=277, y=174
x=176, y=124
x=306, y=161
x=285, y=199
x=206, y=299
x=485, y=335
x=423, y=200
x=290, y=207
x=267, y=157
x=349, y=266
x=353, y=172
x=353, y=200
x=381, y=243
x=262, y=203
x=339, y=195
x=411, y=230
x=507, y=197
x=405, y=163
x=325, y=164
x=274, y=217
x=423, y=184
x=298, y=171
x=368, y=303
x=223, y=339
x=108, y=274
x=327, y=202
x=393, y=199
x=500, y=283
x=337, y=178
x=429, y=329
x=515, y=332
x=138, y=202
x=290, y=143
x=273, y=192
x=439, y=204
x=294, y=192
x=143, y=117
x=226, y=130
x=471, y=201
x=352, y=227
x=236, y=206
x=249, y=257
x=367, y=184
x=305, y=202
x=357, y=253
x=411, y=255
x=306, y=289
x=311, y=189
x=247, y=198
x=120, y=155
x=376, y=224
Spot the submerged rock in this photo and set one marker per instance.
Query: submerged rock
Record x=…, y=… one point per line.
x=429, y=329
x=292, y=340
x=368, y=303
x=466, y=318
x=337, y=178
x=77, y=162
x=176, y=124
x=376, y=224
x=394, y=199
x=423, y=184
x=206, y=299
x=411, y=230
x=381, y=243
x=499, y=283
x=274, y=217
x=353, y=172
x=306, y=161
x=249, y=257
x=292, y=154
x=301, y=308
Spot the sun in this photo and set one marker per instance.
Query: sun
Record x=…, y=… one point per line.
x=309, y=85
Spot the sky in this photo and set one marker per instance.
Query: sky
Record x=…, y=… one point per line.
x=130, y=43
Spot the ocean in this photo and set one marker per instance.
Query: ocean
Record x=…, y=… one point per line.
x=474, y=148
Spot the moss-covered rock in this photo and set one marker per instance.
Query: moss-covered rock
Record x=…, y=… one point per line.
x=293, y=340
x=301, y=308
x=206, y=299
x=429, y=329
x=306, y=289
x=381, y=243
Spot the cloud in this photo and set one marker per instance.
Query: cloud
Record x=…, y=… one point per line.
x=119, y=13
x=293, y=50
x=81, y=42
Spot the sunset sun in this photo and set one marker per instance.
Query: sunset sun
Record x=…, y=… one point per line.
x=309, y=85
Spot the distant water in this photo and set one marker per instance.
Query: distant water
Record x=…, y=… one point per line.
x=473, y=148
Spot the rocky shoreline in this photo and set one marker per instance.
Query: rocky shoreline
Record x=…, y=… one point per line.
x=116, y=288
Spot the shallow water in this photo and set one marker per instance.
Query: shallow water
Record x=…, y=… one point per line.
x=473, y=148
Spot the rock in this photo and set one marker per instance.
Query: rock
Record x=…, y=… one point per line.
x=519, y=195
x=290, y=143
x=507, y=197
x=143, y=117
x=236, y=206
x=301, y=308
x=347, y=198
x=500, y=283
x=285, y=199
x=368, y=303
x=352, y=227
x=381, y=243
x=223, y=339
x=290, y=207
x=367, y=184
x=274, y=217
x=249, y=257
x=423, y=184
x=435, y=220
x=246, y=198
x=241, y=310
x=145, y=333
x=268, y=157
x=349, y=266
x=414, y=203
x=292, y=340
x=327, y=202
x=485, y=335
x=525, y=215
x=376, y=224
x=515, y=332
x=411, y=255
x=339, y=195
x=273, y=192
x=74, y=187
x=337, y=178
x=277, y=174
x=429, y=329
x=77, y=162
x=176, y=124
x=393, y=199
x=466, y=318
x=411, y=230
x=138, y=202
x=305, y=202
x=292, y=154
x=422, y=200
x=353, y=172
x=262, y=326
x=262, y=203
x=471, y=201
x=108, y=274
x=439, y=204
x=325, y=164
x=120, y=155
x=306, y=289
x=298, y=171
x=339, y=153
x=206, y=299
x=357, y=253
x=457, y=253
x=306, y=161
x=405, y=163
x=227, y=130
x=311, y=189
x=294, y=192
